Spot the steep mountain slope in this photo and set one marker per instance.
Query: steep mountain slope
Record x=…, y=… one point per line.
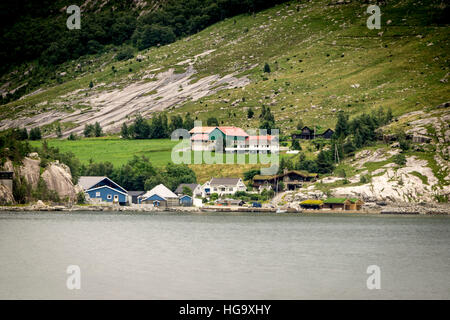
x=322, y=56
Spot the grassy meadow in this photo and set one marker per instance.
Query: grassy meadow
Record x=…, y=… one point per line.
x=159, y=151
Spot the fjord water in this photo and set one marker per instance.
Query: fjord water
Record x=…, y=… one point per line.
x=214, y=256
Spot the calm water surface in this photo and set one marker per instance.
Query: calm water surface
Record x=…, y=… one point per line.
x=213, y=256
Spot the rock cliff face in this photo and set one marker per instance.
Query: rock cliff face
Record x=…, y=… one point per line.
x=6, y=195
x=30, y=170
x=58, y=177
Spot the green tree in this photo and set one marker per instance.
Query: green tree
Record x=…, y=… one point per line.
x=268, y=120
x=187, y=191
x=176, y=122
x=141, y=128
x=35, y=134
x=151, y=35
x=324, y=162
x=125, y=53
x=188, y=123
x=89, y=130
x=266, y=68
x=296, y=145
x=248, y=175
x=58, y=130
x=124, y=131
x=91, y=84
x=98, y=130
x=23, y=134
x=342, y=126
x=214, y=196
x=211, y=122
x=250, y=113
x=400, y=159
x=389, y=116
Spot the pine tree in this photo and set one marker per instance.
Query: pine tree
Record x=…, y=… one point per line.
x=296, y=145
x=188, y=122
x=266, y=68
x=250, y=113
x=342, y=126
x=58, y=130
x=124, y=131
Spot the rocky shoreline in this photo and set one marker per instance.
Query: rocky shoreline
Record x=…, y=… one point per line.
x=369, y=208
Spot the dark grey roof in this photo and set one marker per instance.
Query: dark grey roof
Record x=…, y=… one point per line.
x=136, y=193
x=88, y=181
x=224, y=181
x=191, y=186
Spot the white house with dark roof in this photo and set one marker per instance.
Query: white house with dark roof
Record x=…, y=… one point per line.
x=223, y=186
x=195, y=187
x=160, y=196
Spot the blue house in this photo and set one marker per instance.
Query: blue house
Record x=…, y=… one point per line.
x=103, y=189
x=186, y=201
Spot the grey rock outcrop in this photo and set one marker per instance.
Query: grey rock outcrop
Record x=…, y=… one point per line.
x=58, y=177
x=6, y=195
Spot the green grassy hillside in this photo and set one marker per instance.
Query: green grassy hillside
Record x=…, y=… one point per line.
x=323, y=59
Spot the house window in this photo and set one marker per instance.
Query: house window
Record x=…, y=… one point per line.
x=109, y=197
x=97, y=194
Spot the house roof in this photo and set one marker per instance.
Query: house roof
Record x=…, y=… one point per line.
x=233, y=131
x=136, y=193
x=200, y=136
x=312, y=202
x=319, y=130
x=160, y=190
x=206, y=130
x=299, y=172
x=108, y=187
x=191, y=186
x=224, y=181
x=335, y=200
x=258, y=138
x=87, y=182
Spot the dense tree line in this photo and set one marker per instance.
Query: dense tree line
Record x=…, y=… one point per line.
x=12, y=146
x=93, y=130
x=140, y=174
x=156, y=128
x=349, y=135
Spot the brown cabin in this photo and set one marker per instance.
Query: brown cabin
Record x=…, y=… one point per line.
x=308, y=134
x=291, y=179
